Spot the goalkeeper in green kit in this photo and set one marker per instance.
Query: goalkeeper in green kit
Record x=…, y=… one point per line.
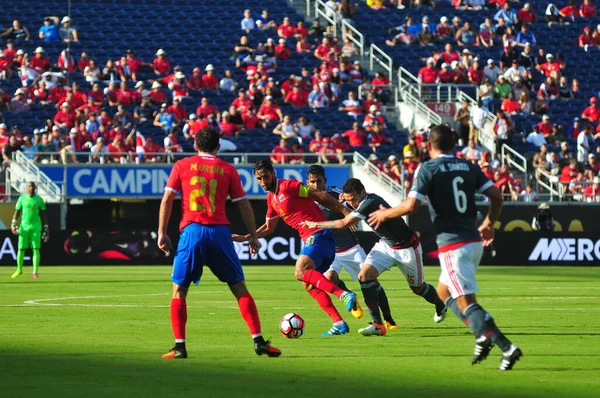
x=34, y=227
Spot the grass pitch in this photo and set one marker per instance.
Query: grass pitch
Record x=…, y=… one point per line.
x=100, y=331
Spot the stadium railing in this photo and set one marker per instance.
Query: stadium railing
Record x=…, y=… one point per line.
x=354, y=35
x=486, y=134
x=129, y=158
x=551, y=183
x=435, y=92
x=385, y=181
x=329, y=15
x=377, y=55
x=514, y=159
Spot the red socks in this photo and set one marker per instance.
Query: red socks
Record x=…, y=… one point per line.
x=326, y=304
x=178, y=318
x=319, y=281
x=249, y=313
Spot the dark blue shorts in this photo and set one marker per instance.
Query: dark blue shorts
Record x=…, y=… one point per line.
x=320, y=247
x=209, y=245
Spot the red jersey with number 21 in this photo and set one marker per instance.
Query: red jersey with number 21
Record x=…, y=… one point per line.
x=291, y=202
x=205, y=182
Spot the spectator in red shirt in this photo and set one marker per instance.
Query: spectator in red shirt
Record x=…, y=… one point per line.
x=587, y=9
x=79, y=96
x=134, y=64
x=296, y=97
x=278, y=153
x=124, y=95
x=157, y=96
x=323, y=49
x=374, y=159
x=592, y=112
x=65, y=118
x=429, y=74
x=545, y=127
x=569, y=173
x=242, y=102
x=585, y=39
x=339, y=147
x=83, y=61
x=316, y=144
x=377, y=137
x=510, y=106
x=251, y=120
x=297, y=151
x=207, y=108
x=475, y=74
x=269, y=112
x=372, y=118
x=179, y=111
x=211, y=82
x=286, y=29
x=356, y=136
x=66, y=62
x=195, y=81
x=282, y=51
x=449, y=54
x=10, y=51
x=152, y=152
x=550, y=67
x=228, y=128
x=161, y=64
x=97, y=94
x=526, y=15
x=40, y=62
x=571, y=10
x=592, y=192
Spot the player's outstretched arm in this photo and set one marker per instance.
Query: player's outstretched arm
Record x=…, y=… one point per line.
x=409, y=206
x=164, y=215
x=248, y=217
x=328, y=201
x=346, y=222
x=487, y=226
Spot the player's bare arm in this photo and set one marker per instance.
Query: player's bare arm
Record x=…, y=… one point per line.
x=487, y=226
x=328, y=201
x=164, y=215
x=14, y=227
x=265, y=230
x=346, y=222
x=409, y=206
x=248, y=218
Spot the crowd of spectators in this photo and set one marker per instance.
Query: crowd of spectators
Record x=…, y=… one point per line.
x=84, y=121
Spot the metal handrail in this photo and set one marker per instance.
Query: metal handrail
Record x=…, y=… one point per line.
x=321, y=11
x=356, y=37
x=385, y=181
x=549, y=182
x=376, y=54
x=432, y=117
x=30, y=167
x=308, y=7
x=511, y=160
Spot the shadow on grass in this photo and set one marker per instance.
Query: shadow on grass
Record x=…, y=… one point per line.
x=122, y=375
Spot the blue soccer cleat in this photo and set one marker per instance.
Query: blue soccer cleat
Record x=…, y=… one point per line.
x=349, y=300
x=337, y=330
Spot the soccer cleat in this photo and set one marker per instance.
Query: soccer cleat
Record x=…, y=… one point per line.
x=175, y=354
x=15, y=275
x=510, y=357
x=35, y=276
x=267, y=349
x=337, y=330
x=483, y=347
x=357, y=311
x=374, y=329
x=391, y=325
x=349, y=299
x=439, y=316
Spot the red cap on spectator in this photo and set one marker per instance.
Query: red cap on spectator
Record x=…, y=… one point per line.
x=326, y=139
x=593, y=99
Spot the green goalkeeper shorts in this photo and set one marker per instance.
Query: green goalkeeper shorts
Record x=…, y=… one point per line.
x=29, y=238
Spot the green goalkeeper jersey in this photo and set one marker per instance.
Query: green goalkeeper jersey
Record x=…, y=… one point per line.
x=30, y=207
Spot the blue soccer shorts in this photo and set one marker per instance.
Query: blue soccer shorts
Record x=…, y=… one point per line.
x=209, y=245
x=320, y=247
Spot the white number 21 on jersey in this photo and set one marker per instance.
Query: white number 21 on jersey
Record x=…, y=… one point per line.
x=460, y=197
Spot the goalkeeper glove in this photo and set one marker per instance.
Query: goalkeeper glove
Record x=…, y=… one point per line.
x=14, y=227
x=45, y=233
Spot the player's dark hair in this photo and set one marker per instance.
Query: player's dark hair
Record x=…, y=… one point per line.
x=441, y=137
x=207, y=140
x=262, y=164
x=316, y=170
x=354, y=186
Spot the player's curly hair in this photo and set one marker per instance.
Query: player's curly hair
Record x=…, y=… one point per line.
x=207, y=140
x=353, y=186
x=442, y=137
x=262, y=164
x=316, y=170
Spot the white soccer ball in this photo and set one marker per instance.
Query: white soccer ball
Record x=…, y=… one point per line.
x=292, y=325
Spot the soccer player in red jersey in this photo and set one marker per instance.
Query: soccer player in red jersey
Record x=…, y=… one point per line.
x=205, y=182
x=294, y=202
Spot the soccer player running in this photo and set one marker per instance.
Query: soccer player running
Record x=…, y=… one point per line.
x=450, y=184
x=348, y=252
x=398, y=245
x=31, y=208
x=205, y=182
x=294, y=202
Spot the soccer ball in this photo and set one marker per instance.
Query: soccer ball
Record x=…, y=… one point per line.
x=292, y=326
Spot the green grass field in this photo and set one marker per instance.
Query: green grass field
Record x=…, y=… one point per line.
x=100, y=331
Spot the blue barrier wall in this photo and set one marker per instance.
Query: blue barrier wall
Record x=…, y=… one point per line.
x=140, y=181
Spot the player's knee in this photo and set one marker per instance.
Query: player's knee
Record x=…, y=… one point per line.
x=332, y=276
x=368, y=273
x=307, y=286
x=299, y=273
